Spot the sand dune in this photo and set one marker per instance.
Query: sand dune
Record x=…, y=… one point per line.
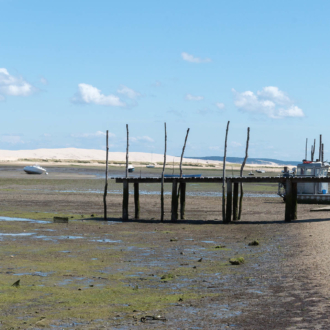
x=89, y=154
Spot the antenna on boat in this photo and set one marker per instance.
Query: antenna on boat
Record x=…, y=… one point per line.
x=320, y=149
x=306, y=149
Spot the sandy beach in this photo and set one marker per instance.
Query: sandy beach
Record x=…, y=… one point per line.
x=111, y=274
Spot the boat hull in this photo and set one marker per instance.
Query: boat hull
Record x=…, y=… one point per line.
x=34, y=170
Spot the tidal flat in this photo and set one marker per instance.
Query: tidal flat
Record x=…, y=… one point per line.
x=94, y=274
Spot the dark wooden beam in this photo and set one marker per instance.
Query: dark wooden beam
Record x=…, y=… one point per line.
x=235, y=201
x=229, y=206
x=174, y=208
x=182, y=200
x=137, y=200
x=288, y=200
x=125, y=199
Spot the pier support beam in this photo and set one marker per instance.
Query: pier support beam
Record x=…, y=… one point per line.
x=235, y=201
x=174, y=208
x=290, y=200
x=294, y=201
x=182, y=200
x=229, y=201
x=136, y=200
x=125, y=199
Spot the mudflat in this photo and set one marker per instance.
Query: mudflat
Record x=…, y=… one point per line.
x=144, y=274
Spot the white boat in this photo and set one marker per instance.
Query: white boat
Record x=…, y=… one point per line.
x=130, y=168
x=260, y=171
x=251, y=173
x=35, y=169
x=150, y=166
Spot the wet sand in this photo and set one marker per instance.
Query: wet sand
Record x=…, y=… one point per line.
x=283, y=283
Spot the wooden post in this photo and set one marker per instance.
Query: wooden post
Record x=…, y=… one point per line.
x=125, y=199
x=174, y=208
x=235, y=201
x=182, y=200
x=294, y=201
x=224, y=177
x=229, y=200
x=241, y=174
x=162, y=183
x=184, y=147
x=136, y=200
x=127, y=146
x=306, y=149
x=106, y=177
x=181, y=194
x=288, y=199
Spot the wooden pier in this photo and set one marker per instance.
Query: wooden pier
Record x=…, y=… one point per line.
x=232, y=192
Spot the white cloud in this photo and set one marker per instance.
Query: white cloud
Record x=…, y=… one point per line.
x=92, y=135
x=220, y=105
x=44, y=81
x=89, y=94
x=141, y=139
x=11, y=139
x=235, y=144
x=130, y=93
x=270, y=101
x=157, y=84
x=190, y=97
x=14, y=86
x=214, y=148
x=190, y=58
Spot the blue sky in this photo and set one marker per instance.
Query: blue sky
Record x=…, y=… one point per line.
x=70, y=70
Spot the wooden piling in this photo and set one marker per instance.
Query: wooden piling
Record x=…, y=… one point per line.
x=235, y=201
x=294, y=201
x=162, y=182
x=182, y=200
x=174, y=208
x=241, y=174
x=224, y=176
x=125, y=199
x=106, y=177
x=288, y=200
x=229, y=201
x=136, y=200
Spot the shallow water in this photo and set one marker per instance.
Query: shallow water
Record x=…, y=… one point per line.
x=22, y=219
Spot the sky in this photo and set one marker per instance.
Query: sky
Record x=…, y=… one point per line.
x=70, y=70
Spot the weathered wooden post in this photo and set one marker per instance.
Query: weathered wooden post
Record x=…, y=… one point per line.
x=125, y=199
x=224, y=177
x=136, y=200
x=162, y=183
x=174, y=208
x=288, y=199
x=229, y=200
x=182, y=199
x=181, y=189
x=294, y=201
x=125, y=183
x=106, y=176
x=235, y=201
x=241, y=174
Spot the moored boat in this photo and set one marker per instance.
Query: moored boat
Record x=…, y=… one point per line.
x=35, y=169
x=130, y=168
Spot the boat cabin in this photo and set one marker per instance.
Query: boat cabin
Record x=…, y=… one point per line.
x=312, y=169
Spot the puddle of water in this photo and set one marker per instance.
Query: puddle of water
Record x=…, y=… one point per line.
x=42, y=274
x=146, y=192
x=212, y=242
x=22, y=219
x=19, y=234
x=106, y=240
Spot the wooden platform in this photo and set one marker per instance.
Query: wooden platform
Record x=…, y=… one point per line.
x=179, y=189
